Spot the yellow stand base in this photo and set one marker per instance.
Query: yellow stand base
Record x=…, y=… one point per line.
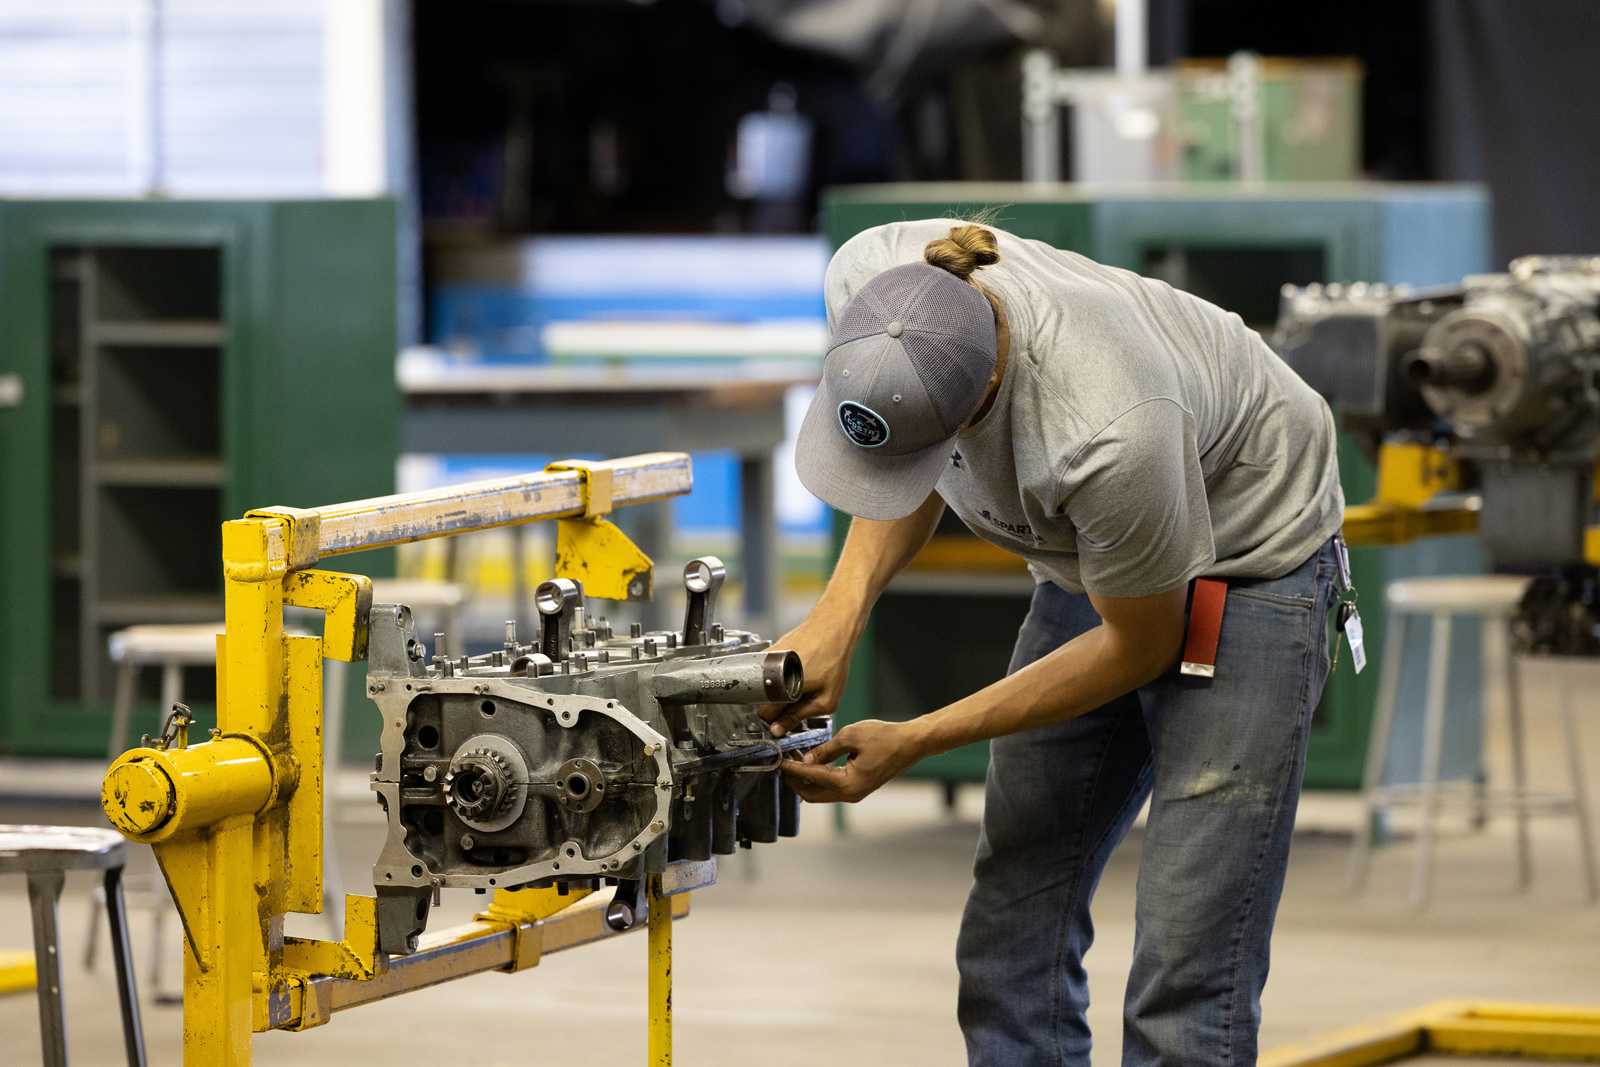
x=1455, y=1028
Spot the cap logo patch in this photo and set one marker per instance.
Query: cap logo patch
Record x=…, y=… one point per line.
x=864, y=427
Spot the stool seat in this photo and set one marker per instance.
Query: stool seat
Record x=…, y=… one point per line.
x=193, y=644
x=44, y=854
x=1494, y=595
x=59, y=848
x=424, y=593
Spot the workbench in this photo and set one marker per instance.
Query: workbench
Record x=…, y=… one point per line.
x=520, y=409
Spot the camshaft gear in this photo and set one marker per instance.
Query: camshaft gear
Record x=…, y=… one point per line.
x=478, y=785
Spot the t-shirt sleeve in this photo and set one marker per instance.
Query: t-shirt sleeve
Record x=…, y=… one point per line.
x=1136, y=496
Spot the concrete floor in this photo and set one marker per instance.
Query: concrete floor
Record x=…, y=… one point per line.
x=840, y=948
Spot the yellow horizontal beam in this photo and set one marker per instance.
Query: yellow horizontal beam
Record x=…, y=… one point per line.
x=1545, y=1013
x=1391, y=524
x=1507, y=1037
x=1528, y=1030
x=405, y=517
x=1454, y=1028
x=1383, y=1041
x=960, y=552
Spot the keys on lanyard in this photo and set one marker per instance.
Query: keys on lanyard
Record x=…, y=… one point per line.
x=1348, y=620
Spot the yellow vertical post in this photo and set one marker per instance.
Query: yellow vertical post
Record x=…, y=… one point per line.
x=660, y=928
x=239, y=917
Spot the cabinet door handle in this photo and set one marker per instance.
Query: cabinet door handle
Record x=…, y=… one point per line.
x=11, y=390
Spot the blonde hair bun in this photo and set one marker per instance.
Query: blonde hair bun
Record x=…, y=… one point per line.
x=964, y=251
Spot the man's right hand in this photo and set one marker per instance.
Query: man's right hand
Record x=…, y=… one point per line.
x=873, y=553
x=824, y=644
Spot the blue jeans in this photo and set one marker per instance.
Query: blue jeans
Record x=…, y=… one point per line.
x=1221, y=760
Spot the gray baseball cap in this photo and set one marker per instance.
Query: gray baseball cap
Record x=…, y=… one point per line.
x=907, y=365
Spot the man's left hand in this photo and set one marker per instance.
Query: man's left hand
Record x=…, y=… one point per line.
x=878, y=751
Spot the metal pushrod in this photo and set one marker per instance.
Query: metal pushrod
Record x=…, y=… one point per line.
x=405, y=517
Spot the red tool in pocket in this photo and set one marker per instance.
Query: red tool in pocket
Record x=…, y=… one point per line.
x=1210, y=596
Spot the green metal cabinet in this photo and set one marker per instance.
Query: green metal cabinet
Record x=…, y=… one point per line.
x=172, y=363
x=1235, y=246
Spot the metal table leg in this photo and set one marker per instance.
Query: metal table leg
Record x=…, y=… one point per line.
x=122, y=953
x=758, y=542
x=1372, y=782
x=1432, y=745
x=122, y=708
x=44, y=890
x=521, y=597
x=650, y=527
x=1580, y=794
x=1519, y=765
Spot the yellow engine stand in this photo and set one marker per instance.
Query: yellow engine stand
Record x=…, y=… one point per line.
x=1409, y=503
x=236, y=820
x=1410, y=477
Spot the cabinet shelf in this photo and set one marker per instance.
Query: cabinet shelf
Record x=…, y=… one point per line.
x=187, y=333
x=161, y=471
x=167, y=345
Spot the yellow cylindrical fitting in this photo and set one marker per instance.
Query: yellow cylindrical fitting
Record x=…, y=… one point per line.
x=149, y=794
x=137, y=796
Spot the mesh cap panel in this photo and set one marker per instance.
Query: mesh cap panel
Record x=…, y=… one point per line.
x=946, y=328
x=955, y=375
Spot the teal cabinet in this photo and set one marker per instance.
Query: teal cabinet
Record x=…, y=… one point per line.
x=1236, y=246
x=174, y=363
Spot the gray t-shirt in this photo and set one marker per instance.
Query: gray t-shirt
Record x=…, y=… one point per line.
x=1141, y=436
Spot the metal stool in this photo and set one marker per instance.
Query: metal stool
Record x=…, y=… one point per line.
x=1494, y=598
x=45, y=854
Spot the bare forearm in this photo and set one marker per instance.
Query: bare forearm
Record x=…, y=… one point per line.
x=874, y=552
x=1092, y=669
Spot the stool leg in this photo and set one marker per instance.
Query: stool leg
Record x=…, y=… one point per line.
x=1378, y=751
x=1580, y=793
x=1519, y=765
x=116, y=744
x=121, y=709
x=91, y=944
x=171, y=686
x=1432, y=745
x=158, y=956
x=122, y=953
x=44, y=890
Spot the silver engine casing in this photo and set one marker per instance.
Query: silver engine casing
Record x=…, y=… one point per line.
x=580, y=758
